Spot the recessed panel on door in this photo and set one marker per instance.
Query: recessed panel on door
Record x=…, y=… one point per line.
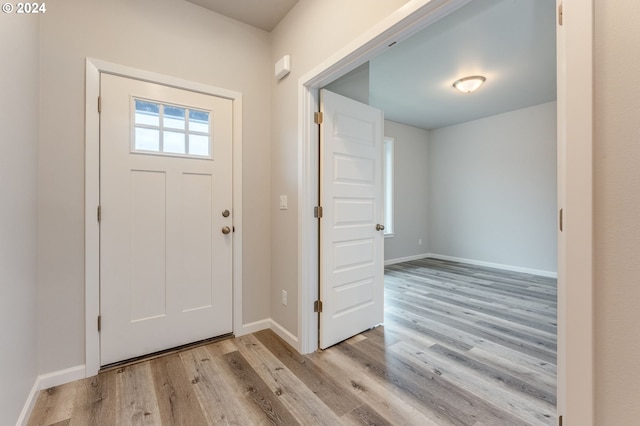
x=353, y=254
x=355, y=129
x=353, y=295
x=197, y=243
x=350, y=169
x=351, y=212
x=148, y=244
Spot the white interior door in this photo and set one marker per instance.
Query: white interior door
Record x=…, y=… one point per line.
x=165, y=181
x=351, y=241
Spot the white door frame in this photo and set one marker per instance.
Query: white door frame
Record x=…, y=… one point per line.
x=575, y=280
x=93, y=69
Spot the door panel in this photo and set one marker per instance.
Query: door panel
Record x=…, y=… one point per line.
x=352, y=276
x=197, y=259
x=148, y=240
x=165, y=265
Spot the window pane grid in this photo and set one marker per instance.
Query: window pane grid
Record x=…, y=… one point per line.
x=170, y=129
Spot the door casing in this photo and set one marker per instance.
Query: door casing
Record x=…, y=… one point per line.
x=575, y=118
x=94, y=68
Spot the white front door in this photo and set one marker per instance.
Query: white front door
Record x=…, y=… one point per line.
x=351, y=238
x=165, y=189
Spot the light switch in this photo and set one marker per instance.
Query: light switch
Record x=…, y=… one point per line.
x=283, y=202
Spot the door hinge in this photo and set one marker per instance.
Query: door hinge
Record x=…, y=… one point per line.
x=560, y=421
x=99, y=214
x=560, y=14
x=561, y=219
x=317, y=212
x=317, y=306
x=99, y=323
x=99, y=104
x=318, y=117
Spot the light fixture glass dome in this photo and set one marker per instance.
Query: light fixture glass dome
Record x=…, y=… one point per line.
x=469, y=84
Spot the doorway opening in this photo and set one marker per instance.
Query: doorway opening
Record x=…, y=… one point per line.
x=466, y=186
x=575, y=171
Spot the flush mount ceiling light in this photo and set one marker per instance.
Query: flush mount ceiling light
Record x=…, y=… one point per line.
x=469, y=84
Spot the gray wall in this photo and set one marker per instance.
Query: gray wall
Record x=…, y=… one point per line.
x=492, y=189
x=483, y=190
x=18, y=220
x=410, y=182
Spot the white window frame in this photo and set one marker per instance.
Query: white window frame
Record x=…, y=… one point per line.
x=388, y=170
x=161, y=128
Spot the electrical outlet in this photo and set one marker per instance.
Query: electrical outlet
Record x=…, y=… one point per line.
x=284, y=297
x=419, y=241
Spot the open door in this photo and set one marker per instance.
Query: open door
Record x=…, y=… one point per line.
x=351, y=231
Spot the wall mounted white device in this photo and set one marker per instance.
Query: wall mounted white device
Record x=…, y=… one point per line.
x=283, y=67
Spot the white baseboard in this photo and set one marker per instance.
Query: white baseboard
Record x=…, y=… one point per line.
x=406, y=259
x=61, y=377
x=273, y=325
x=252, y=327
x=539, y=272
x=29, y=404
x=285, y=335
x=45, y=381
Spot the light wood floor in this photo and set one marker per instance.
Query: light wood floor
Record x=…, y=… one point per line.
x=460, y=345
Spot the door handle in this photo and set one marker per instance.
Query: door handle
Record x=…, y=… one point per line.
x=379, y=227
x=226, y=230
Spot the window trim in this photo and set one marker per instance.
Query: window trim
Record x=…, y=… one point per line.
x=387, y=185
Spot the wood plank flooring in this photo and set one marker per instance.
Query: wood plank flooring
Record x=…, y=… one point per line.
x=460, y=345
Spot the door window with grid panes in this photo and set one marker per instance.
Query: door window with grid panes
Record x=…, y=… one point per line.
x=170, y=129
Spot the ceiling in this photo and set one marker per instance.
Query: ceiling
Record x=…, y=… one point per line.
x=510, y=42
x=264, y=14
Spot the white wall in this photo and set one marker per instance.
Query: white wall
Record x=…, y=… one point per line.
x=617, y=212
x=411, y=192
x=18, y=220
x=311, y=32
x=171, y=37
x=492, y=189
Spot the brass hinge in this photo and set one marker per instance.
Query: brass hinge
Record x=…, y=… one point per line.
x=560, y=15
x=99, y=103
x=318, y=117
x=99, y=214
x=317, y=306
x=99, y=323
x=560, y=421
x=561, y=219
x=317, y=212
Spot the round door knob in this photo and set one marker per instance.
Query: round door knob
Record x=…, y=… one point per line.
x=226, y=230
x=379, y=227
